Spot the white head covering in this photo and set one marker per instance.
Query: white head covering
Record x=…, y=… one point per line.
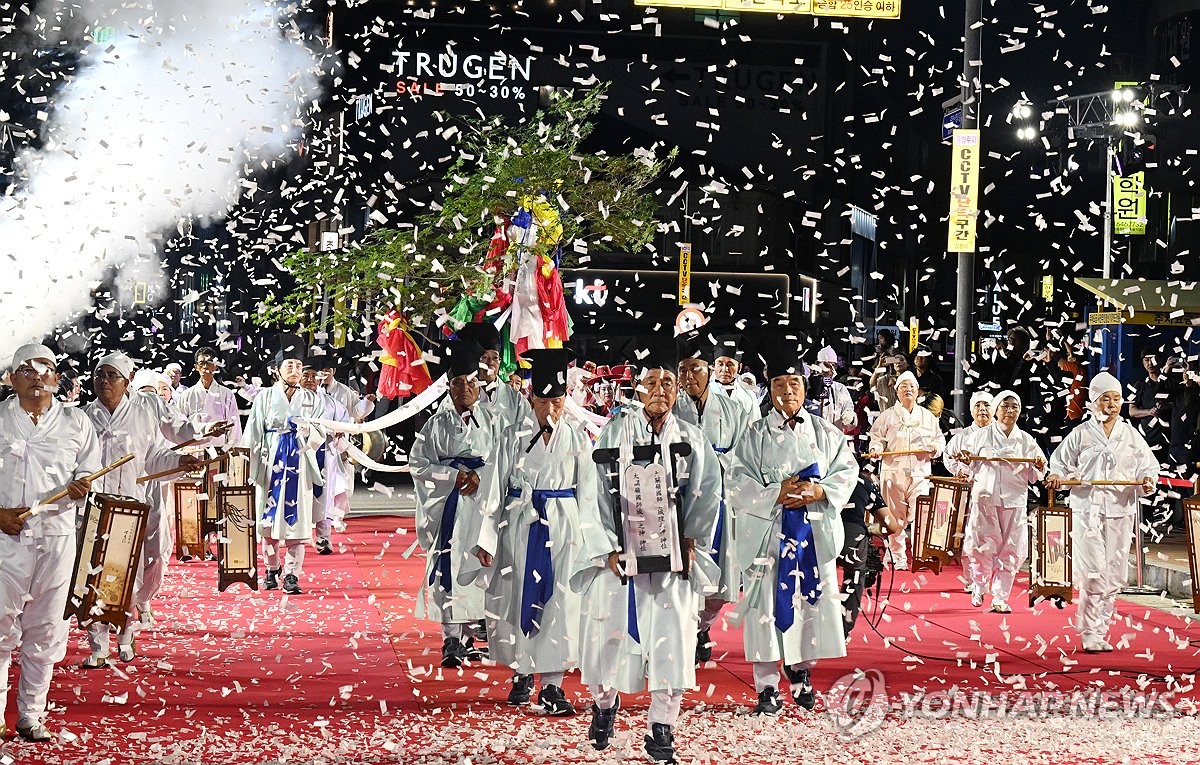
x=118, y=361
x=907, y=376
x=32, y=351
x=145, y=378
x=1101, y=384
x=980, y=395
x=999, y=399
x=827, y=356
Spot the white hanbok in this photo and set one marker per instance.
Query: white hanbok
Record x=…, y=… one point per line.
x=358, y=407
x=665, y=606
x=767, y=454
x=1102, y=517
x=905, y=477
x=35, y=565
x=330, y=508
x=743, y=397
x=283, y=460
x=997, y=530
x=528, y=467
x=447, y=443
x=204, y=406
x=723, y=422
x=955, y=446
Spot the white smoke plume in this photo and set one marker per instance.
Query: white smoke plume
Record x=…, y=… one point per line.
x=162, y=122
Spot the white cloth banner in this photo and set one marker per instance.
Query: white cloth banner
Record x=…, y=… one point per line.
x=418, y=402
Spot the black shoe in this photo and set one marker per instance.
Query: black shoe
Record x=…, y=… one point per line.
x=208, y=555
x=271, y=582
x=479, y=631
x=802, y=690
x=324, y=547
x=703, y=647
x=521, y=690
x=291, y=585
x=768, y=702
x=660, y=744
x=453, y=652
x=472, y=652
x=35, y=733
x=601, y=730
x=554, y=703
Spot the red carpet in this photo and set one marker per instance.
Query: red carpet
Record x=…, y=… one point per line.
x=343, y=673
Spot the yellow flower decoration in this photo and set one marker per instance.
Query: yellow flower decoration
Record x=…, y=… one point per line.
x=545, y=215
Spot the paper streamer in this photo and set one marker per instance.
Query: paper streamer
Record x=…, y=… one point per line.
x=418, y=403
x=362, y=458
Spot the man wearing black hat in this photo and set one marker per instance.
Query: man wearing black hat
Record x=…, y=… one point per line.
x=722, y=420
x=508, y=404
x=283, y=448
x=727, y=362
x=792, y=473
x=659, y=477
x=454, y=477
x=530, y=546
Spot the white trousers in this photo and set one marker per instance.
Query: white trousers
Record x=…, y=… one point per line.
x=293, y=562
x=766, y=673
x=664, y=704
x=1100, y=549
x=35, y=578
x=900, y=491
x=156, y=551
x=996, y=544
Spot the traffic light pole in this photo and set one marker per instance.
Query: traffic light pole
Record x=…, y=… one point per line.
x=964, y=307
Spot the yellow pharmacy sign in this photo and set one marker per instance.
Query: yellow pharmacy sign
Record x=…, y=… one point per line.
x=964, y=191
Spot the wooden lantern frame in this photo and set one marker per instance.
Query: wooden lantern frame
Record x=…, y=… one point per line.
x=189, y=518
x=107, y=559
x=1050, y=566
x=1191, y=524
x=237, y=537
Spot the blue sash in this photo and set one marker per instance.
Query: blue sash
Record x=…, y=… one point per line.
x=631, y=613
x=538, y=585
x=441, y=568
x=285, y=481
x=319, y=490
x=797, y=560
x=717, y=535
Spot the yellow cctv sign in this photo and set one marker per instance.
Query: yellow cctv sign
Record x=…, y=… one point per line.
x=964, y=191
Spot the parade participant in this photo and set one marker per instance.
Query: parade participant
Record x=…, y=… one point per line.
x=331, y=500
x=545, y=475
x=128, y=424
x=283, y=465
x=639, y=625
x=508, y=404
x=792, y=474
x=835, y=403
x=905, y=427
x=44, y=446
x=981, y=417
x=357, y=407
x=1105, y=447
x=209, y=401
x=727, y=362
x=453, y=493
x=174, y=381
x=722, y=421
x=997, y=532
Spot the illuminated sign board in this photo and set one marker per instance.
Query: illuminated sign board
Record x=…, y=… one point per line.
x=491, y=75
x=870, y=9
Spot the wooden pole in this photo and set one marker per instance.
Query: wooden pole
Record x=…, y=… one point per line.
x=177, y=469
x=60, y=494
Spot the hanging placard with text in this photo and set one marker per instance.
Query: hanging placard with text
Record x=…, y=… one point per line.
x=964, y=191
x=685, y=273
x=1129, y=204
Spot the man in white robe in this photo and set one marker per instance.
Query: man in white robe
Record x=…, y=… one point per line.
x=639, y=630
x=209, y=401
x=834, y=403
x=507, y=404
x=127, y=424
x=997, y=531
x=912, y=430
x=723, y=421
x=331, y=500
x=44, y=447
x=356, y=406
x=453, y=494
x=792, y=474
x=283, y=466
x=532, y=544
x=1104, y=448
x=727, y=361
